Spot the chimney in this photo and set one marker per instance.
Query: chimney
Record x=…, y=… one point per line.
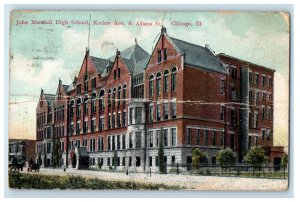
x=118, y=52
x=59, y=81
x=42, y=91
x=135, y=40
x=163, y=30
x=87, y=51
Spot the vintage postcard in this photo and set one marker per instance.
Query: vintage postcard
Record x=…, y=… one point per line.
x=159, y=100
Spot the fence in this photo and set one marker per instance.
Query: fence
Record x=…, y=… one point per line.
x=241, y=170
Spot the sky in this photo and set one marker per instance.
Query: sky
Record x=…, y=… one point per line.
x=40, y=54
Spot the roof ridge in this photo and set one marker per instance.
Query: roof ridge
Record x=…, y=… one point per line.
x=188, y=42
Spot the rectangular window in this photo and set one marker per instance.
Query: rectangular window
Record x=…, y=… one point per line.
x=263, y=111
x=113, y=138
x=214, y=138
x=188, y=136
x=222, y=139
x=123, y=141
x=269, y=113
x=118, y=142
x=150, y=138
x=165, y=54
x=100, y=144
x=92, y=144
x=138, y=161
x=108, y=142
x=159, y=56
x=151, y=113
x=257, y=79
x=113, y=121
x=233, y=117
x=119, y=72
x=205, y=138
x=222, y=110
x=198, y=136
x=250, y=97
x=166, y=137
x=270, y=84
x=119, y=120
x=264, y=80
x=124, y=119
x=256, y=98
x=93, y=128
x=255, y=120
x=138, y=139
x=158, y=112
x=150, y=161
x=115, y=74
x=263, y=135
x=173, y=106
x=174, y=136
x=130, y=140
x=250, y=77
x=222, y=87
x=93, y=83
x=156, y=161
x=138, y=115
x=130, y=115
x=77, y=128
x=85, y=127
x=78, y=88
x=101, y=124
x=166, y=111
x=130, y=161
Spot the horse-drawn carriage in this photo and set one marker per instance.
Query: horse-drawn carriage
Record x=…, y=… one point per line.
x=16, y=165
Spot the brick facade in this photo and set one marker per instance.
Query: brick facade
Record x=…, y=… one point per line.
x=116, y=109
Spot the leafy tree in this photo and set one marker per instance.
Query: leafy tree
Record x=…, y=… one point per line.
x=197, y=156
x=40, y=159
x=284, y=162
x=161, y=153
x=225, y=158
x=255, y=157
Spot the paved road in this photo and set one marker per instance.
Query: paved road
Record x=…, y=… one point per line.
x=188, y=181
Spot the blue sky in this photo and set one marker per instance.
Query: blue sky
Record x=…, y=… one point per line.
x=41, y=54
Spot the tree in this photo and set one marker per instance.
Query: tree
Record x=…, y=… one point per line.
x=225, y=158
x=255, y=157
x=284, y=162
x=56, y=154
x=161, y=153
x=197, y=157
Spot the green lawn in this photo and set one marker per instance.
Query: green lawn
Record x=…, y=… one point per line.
x=34, y=181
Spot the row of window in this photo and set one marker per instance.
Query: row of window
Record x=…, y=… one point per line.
x=263, y=79
x=202, y=137
x=165, y=137
x=165, y=82
x=162, y=116
x=254, y=117
x=59, y=114
x=255, y=94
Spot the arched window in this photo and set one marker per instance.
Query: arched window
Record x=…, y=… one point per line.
x=174, y=78
x=158, y=79
x=119, y=94
x=101, y=100
x=166, y=81
x=124, y=93
x=151, y=84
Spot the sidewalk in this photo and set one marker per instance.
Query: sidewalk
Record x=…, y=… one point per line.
x=188, y=181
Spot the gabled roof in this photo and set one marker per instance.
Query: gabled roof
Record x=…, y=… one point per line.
x=134, y=57
x=198, y=56
x=49, y=98
x=65, y=87
x=100, y=63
